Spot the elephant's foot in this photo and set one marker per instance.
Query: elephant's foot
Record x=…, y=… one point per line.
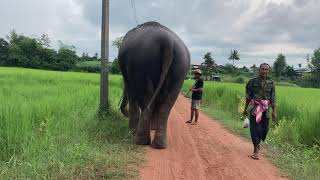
x=125, y=111
x=142, y=139
x=159, y=141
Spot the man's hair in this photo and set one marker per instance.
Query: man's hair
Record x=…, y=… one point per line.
x=264, y=64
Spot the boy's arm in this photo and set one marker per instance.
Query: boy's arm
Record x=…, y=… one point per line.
x=199, y=89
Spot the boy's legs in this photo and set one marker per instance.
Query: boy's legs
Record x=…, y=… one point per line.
x=196, y=115
x=196, y=110
x=192, y=112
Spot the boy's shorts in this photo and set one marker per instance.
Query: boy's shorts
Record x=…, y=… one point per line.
x=195, y=104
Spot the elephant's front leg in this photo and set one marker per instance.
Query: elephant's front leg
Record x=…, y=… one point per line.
x=124, y=103
x=160, y=136
x=134, y=115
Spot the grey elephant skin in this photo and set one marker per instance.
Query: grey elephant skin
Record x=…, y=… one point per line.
x=154, y=62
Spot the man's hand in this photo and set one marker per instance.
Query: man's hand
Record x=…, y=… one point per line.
x=245, y=113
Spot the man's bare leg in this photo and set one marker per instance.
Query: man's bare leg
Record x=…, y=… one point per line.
x=196, y=116
x=256, y=149
x=191, y=116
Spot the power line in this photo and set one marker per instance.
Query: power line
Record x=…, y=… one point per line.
x=134, y=11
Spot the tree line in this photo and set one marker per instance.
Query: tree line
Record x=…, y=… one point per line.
x=17, y=50
x=280, y=70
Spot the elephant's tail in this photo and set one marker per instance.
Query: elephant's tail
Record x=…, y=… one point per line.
x=166, y=63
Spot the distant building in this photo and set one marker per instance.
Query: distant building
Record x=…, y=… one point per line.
x=301, y=71
x=198, y=66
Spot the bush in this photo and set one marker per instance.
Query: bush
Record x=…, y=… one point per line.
x=240, y=80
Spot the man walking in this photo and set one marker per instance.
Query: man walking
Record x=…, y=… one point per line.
x=260, y=96
x=196, y=90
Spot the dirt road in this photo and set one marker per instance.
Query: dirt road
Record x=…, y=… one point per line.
x=203, y=151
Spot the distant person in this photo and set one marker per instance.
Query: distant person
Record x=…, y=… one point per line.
x=196, y=90
x=260, y=96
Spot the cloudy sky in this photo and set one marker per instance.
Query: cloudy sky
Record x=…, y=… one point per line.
x=259, y=29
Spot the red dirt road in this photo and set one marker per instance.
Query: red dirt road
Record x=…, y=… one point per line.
x=203, y=151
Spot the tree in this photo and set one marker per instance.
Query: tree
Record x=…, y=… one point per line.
x=234, y=55
x=290, y=72
x=95, y=57
x=66, y=59
x=4, y=49
x=315, y=61
x=308, y=61
x=230, y=69
x=254, y=69
x=117, y=42
x=245, y=69
x=23, y=51
x=115, y=69
x=44, y=40
x=208, y=66
x=315, y=66
x=13, y=36
x=279, y=65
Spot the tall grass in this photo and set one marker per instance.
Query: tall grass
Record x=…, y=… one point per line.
x=49, y=127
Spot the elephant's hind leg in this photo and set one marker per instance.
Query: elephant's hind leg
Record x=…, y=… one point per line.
x=143, y=129
x=160, y=136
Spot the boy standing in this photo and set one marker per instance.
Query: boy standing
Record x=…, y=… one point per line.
x=196, y=97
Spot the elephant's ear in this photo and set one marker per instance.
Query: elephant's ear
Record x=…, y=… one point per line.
x=166, y=60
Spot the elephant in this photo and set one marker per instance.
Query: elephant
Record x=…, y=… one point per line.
x=154, y=62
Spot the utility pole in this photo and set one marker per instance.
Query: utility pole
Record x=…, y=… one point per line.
x=104, y=56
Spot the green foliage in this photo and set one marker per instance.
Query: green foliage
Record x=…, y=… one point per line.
x=44, y=40
x=23, y=51
x=240, y=80
x=115, y=69
x=117, y=42
x=86, y=57
x=279, y=65
x=290, y=73
x=66, y=58
x=254, y=69
x=315, y=66
x=229, y=69
x=316, y=61
x=49, y=128
x=4, y=49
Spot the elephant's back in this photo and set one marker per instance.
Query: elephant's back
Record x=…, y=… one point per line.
x=142, y=49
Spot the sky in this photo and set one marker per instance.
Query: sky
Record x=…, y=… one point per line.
x=258, y=29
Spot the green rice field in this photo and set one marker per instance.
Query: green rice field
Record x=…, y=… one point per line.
x=49, y=128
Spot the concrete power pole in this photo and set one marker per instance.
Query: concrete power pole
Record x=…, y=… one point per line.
x=104, y=103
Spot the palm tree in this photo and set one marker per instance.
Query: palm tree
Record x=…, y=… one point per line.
x=234, y=56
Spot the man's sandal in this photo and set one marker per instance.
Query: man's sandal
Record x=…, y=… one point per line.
x=189, y=121
x=255, y=157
